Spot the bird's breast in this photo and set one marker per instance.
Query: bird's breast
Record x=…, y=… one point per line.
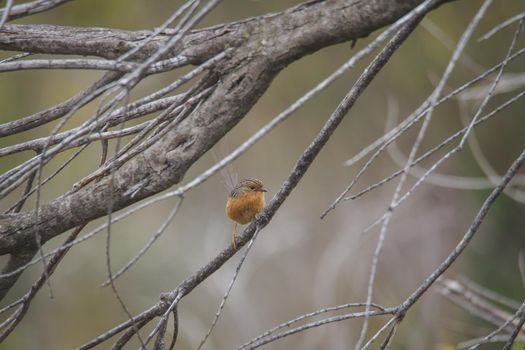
x=243, y=209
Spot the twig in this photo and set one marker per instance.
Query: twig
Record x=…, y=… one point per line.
x=463, y=243
x=415, y=117
x=60, y=109
x=116, y=118
x=307, y=326
x=388, y=339
x=13, y=178
x=131, y=80
x=102, y=227
x=392, y=134
x=495, y=339
x=440, y=146
x=291, y=182
x=309, y=315
x=28, y=297
x=33, y=7
x=124, y=84
x=175, y=328
x=16, y=57
x=491, y=335
x=50, y=177
x=139, y=108
x=489, y=294
x=94, y=64
x=378, y=333
x=5, y=13
x=163, y=318
x=19, y=204
x=164, y=26
x=152, y=240
x=127, y=335
x=228, y=290
x=159, y=341
x=180, y=191
x=459, y=147
x=516, y=331
x=306, y=97
x=471, y=302
x=448, y=42
x=111, y=76
x=164, y=127
x=14, y=267
x=433, y=99
x=145, y=316
x=453, y=181
x=483, y=162
x=502, y=25
x=117, y=295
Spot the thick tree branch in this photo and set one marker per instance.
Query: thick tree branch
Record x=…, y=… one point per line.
x=170, y=300
x=244, y=77
x=297, y=29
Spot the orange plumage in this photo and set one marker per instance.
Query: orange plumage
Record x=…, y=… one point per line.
x=243, y=209
x=245, y=201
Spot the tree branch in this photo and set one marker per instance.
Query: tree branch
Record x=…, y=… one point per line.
x=33, y=7
x=244, y=78
x=169, y=300
x=349, y=20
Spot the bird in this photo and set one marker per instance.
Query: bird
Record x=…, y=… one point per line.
x=245, y=201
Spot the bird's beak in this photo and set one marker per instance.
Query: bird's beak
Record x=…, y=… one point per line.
x=264, y=190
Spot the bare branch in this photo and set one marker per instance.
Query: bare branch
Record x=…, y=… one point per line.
x=309, y=315
x=152, y=240
x=127, y=335
x=172, y=155
x=12, y=271
x=502, y=25
x=6, y=12
x=55, y=112
x=93, y=64
x=456, y=135
x=517, y=330
x=378, y=333
x=476, y=223
x=170, y=300
x=421, y=134
x=31, y=8
x=307, y=326
x=416, y=116
x=474, y=302
x=234, y=65
x=491, y=335
x=28, y=297
x=228, y=290
x=489, y=294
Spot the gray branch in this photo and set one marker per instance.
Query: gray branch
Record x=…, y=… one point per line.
x=31, y=8
x=265, y=45
x=170, y=300
x=300, y=30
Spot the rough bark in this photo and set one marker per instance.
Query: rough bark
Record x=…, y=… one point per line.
x=264, y=46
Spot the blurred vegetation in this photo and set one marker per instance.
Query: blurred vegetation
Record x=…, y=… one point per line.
x=298, y=254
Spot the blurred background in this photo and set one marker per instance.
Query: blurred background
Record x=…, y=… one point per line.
x=299, y=263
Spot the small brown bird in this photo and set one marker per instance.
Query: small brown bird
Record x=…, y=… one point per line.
x=245, y=201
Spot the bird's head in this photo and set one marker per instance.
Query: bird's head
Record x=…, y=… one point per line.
x=247, y=186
